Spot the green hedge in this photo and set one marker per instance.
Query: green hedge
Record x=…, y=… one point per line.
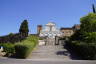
x=24, y=48
x=21, y=49
x=12, y=38
x=8, y=48
x=86, y=51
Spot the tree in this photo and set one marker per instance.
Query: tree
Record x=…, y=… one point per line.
x=93, y=7
x=76, y=36
x=88, y=23
x=24, y=28
x=87, y=30
x=90, y=37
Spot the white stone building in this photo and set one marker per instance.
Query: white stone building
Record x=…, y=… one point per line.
x=50, y=30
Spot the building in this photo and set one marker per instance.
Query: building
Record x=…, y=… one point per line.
x=76, y=27
x=67, y=32
x=50, y=30
x=39, y=28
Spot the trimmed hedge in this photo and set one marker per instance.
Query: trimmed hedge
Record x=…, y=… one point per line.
x=24, y=48
x=21, y=49
x=86, y=51
x=8, y=48
x=12, y=38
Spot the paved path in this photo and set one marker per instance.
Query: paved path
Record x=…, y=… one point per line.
x=47, y=55
x=44, y=61
x=50, y=52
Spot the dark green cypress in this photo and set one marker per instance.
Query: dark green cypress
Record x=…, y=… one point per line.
x=24, y=28
x=93, y=7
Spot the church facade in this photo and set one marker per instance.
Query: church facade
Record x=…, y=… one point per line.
x=50, y=30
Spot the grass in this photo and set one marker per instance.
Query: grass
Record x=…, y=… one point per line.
x=21, y=49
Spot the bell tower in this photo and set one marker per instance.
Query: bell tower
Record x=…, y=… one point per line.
x=39, y=28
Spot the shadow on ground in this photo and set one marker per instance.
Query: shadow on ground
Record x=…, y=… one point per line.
x=68, y=52
x=65, y=53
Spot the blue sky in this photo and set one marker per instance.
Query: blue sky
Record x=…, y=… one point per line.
x=65, y=13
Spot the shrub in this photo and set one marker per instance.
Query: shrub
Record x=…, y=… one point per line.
x=12, y=38
x=86, y=51
x=85, y=45
x=24, y=48
x=22, y=51
x=8, y=48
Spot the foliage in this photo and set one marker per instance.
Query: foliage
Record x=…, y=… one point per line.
x=24, y=48
x=87, y=29
x=83, y=41
x=86, y=51
x=8, y=48
x=88, y=23
x=94, y=10
x=12, y=38
x=76, y=36
x=24, y=28
x=90, y=37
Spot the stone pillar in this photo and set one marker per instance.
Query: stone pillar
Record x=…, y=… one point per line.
x=56, y=40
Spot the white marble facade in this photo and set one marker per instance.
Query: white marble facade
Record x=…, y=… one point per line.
x=50, y=30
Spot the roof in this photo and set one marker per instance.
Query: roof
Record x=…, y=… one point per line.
x=77, y=26
x=66, y=29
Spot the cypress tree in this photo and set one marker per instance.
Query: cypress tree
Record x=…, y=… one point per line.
x=24, y=29
x=93, y=7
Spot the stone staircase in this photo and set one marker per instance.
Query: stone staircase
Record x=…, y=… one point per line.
x=50, y=52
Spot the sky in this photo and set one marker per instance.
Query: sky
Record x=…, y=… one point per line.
x=65, y=13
